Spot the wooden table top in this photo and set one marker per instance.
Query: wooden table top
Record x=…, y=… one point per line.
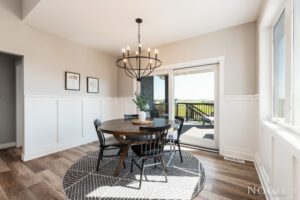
x=126, y=127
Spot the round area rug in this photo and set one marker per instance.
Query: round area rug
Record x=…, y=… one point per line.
x=185, y=180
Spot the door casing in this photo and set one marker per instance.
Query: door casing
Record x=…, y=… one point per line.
x=219, y=90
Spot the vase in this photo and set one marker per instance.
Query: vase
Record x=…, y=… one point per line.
x=142, y=116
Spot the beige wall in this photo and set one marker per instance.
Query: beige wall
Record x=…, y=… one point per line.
x=237, y=44
x=47, y=57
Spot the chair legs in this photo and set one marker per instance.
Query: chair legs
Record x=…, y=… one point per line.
x=142, y=173
x=131, y=167
x=99, y=157
x=179, y=151
x=163, y=165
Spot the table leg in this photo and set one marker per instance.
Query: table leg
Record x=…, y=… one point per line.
x=124, y=152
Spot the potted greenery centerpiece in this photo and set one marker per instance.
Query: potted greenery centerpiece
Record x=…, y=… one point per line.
x=142, y=104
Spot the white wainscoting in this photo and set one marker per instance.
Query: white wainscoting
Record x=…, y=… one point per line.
x=278, y=162
x=56, y=123
x=239, y=126
x=8, y=145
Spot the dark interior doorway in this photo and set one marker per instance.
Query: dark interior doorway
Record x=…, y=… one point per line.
x=8, y=99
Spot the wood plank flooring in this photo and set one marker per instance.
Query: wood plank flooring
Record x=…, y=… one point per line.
x=41, y=179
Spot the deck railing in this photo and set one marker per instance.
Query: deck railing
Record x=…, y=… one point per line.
x=194, y=111
x=189, y=111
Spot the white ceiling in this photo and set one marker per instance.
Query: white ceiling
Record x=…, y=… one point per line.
x=109, y=25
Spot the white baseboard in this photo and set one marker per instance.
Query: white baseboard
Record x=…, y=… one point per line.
x=264, y=179
x=50, y=149
x=7, y=145
x=239, y=153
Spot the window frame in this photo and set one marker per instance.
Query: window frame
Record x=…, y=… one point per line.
x=287, y=10
x=296, y=65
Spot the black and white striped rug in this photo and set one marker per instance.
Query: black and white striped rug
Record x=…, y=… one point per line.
x=185, y=180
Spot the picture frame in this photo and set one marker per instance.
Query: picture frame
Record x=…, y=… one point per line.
x=92, y=85
x=72, y=81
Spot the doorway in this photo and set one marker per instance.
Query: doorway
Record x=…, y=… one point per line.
x=195, y=94
x=192, y=92
x=11, y=100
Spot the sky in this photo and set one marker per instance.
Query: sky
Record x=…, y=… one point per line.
x=197, y=86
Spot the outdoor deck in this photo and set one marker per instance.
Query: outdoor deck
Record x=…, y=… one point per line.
x=199, y=119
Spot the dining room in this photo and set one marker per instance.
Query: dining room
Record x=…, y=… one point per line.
x=130, y=99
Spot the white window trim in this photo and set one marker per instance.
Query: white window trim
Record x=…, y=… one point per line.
x=287, y=121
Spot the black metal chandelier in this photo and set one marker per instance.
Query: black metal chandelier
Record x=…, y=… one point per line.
x=138, y=65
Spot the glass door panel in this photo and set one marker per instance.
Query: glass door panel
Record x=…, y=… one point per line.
x=155, y=88
x=194, y=96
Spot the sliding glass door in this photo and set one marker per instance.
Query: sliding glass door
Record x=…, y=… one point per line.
x=190, y=93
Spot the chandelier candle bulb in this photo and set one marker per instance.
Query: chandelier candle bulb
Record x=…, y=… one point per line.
x=140, y=48
x=123, y=52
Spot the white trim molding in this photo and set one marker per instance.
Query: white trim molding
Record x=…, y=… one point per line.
x=55, y=123
x=263, y=177
x=239, y=126
x=277, y=161
x=238, y=152
x=7, y=145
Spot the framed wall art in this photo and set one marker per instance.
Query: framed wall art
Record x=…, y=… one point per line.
x=92, y=85
x=72, y=81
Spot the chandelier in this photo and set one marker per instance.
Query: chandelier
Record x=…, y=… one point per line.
x=135, y=64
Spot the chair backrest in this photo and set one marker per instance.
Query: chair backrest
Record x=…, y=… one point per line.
x=97, y=123
x=155, y=142
x=179, y=120
x=131, y=116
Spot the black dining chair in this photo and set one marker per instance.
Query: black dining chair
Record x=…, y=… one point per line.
x=106, y=143
x=174, y=137
x=151, y=147
x=131, y=116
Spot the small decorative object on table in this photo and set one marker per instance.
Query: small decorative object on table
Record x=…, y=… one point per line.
x=142, y=104
x=145, y=122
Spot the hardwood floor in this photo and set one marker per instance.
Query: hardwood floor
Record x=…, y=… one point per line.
x=41, y=179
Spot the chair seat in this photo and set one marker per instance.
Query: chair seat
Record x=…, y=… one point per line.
x=111, y=141
x=172, y=135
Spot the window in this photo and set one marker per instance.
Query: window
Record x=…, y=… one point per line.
x=296, y=65
x=279, y=93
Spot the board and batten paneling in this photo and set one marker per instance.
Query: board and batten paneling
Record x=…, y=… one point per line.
x=91, y=111
x=277, y=162
x=238, y=126
x=42, y=123
x=56, y=123
x=69, y=120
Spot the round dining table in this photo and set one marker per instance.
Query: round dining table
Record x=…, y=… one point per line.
x=122, y=128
